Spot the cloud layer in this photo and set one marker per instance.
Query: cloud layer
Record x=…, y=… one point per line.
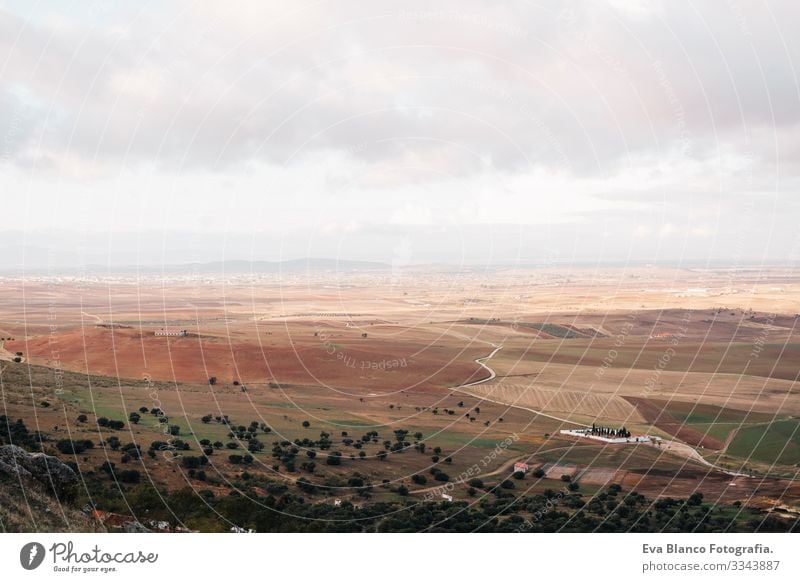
x=604, y=124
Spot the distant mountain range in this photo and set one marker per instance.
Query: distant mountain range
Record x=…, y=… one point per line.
x=290, y=266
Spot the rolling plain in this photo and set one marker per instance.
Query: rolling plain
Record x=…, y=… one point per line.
x=400, y=375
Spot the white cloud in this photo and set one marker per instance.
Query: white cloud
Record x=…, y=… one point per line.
x=369, y=116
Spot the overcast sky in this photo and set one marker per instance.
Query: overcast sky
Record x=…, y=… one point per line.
x=617, y=130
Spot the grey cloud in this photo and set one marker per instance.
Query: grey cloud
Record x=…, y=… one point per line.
x=521, y=84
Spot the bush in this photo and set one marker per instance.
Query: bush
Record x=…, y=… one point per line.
x=538, y=473
x=134, y=417
x=507, y=484
x=306, y=424
x=82, y=418
x=129, y=476
x=518, y=475
x=566, y=478
x=419, y=479
x=70, y=447
x=477, y=483
x=695, y=499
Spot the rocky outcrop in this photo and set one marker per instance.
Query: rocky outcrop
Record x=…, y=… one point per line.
x=49, y=471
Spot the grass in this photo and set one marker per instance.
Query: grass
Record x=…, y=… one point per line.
x=777, y=360
x=777, y=442
x=554, y=330
x=351, y=422
x=692, y=413
x=715, y=421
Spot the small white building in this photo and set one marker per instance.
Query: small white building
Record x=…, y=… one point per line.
x=586, y=433
x=172, y=333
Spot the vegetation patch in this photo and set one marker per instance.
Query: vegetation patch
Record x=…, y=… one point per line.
x=775, y=443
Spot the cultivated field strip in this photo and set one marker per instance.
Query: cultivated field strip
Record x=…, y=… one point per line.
x=560, y=401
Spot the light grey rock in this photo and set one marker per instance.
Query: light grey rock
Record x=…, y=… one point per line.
x=50, y=471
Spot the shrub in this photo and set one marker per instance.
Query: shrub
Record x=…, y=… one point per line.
x=70, y=447
x=129, y=476
x=192, y=462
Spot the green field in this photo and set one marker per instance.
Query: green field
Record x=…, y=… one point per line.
x=777, y=360
x=715, y=421
x=777, y=442
x=554, y=330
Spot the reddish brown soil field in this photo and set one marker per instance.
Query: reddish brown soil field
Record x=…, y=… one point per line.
x=670, y=425
x=361, y=364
